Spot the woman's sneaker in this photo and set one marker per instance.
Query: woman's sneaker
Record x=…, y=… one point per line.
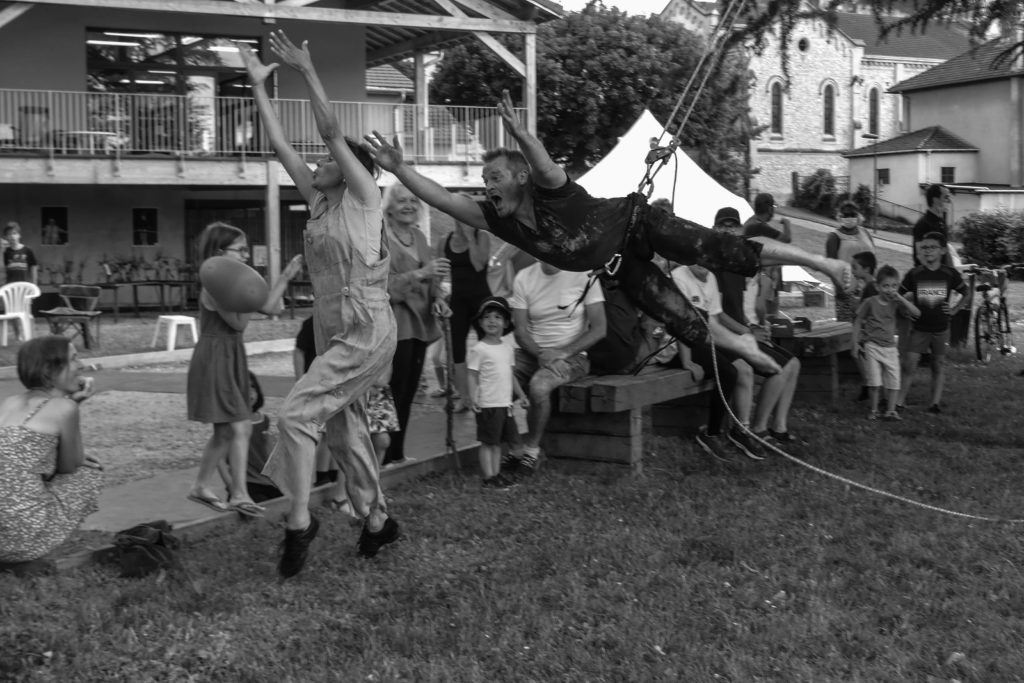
x=716, y=446
x=743, y=440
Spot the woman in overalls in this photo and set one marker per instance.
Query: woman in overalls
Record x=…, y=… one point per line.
x=355, y=330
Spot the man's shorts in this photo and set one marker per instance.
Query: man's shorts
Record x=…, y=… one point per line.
x=928, y=342
x=495, y=426
x=881, y=366
x=528, y=370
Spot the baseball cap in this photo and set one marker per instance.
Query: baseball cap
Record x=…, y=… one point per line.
x=498, y=303
x=727, y=213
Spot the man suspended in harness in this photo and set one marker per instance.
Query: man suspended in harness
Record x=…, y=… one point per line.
x=532, y=204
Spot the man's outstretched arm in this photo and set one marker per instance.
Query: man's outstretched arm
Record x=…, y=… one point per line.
x=544, y=171
x=389, y=157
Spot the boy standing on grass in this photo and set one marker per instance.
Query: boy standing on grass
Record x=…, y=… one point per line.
x=492, y=386
x=874, y=337
x=930, y=286
x=864, y=264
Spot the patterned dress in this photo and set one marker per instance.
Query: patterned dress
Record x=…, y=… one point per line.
x=39, y=509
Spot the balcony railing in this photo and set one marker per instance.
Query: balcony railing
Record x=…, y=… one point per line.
x=99, y=123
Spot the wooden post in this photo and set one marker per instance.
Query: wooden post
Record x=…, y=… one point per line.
x=272, y=221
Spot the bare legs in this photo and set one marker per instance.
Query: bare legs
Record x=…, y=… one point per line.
x=229, y=442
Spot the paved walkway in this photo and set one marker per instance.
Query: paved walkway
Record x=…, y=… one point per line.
x=164, y=496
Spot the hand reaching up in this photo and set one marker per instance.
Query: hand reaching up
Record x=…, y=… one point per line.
x=293, y=268
x=388, y=156
x=296, y=57
x=509, y=117
x=258, y=72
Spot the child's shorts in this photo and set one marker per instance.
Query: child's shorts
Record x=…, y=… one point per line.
x=881, y=366
x=929, y=342
x=380, y=408
x=495, y=426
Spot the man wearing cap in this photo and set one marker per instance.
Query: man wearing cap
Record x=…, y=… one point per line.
x=769, y=280
x=772, y=413
x=557, y=318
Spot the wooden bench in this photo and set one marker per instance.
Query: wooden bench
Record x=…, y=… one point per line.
x=604, y=418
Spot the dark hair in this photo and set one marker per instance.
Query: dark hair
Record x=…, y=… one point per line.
x=216, y=238
x=848, y=206
x=937, y=236
x=516, y=161
x=867, y=260
x=887, y=272
x=933, y=192
x=763, y=203
x=663, y=204
x=41, y=359
x=11, y=227
x=363, y=156
x=254, y=385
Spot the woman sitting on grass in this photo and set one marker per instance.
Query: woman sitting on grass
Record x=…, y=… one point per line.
x=47, y=483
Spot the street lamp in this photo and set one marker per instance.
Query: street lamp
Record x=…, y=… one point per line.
x=874, y=180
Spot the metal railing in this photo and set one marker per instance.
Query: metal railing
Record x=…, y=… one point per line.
x=101, y=123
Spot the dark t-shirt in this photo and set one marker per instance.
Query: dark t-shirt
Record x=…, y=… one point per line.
x=305, y=341
x=732, y=286
x=18, y=262
x=574, y=232
x=870, y=290
x=755, y=227
x=927, y=223
x=928, y=289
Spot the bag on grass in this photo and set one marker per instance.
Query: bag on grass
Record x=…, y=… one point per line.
x=146, y=548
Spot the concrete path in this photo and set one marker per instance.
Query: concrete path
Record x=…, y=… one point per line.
x=804, y=219
x=164, y=496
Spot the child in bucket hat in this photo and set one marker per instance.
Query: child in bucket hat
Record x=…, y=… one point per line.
x=492, y=388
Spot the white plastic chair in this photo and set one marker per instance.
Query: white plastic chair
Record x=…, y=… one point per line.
x=17, y=298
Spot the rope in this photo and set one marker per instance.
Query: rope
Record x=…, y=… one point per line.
x=838, y=477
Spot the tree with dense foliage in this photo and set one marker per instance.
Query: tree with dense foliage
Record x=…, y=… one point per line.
x=597, y=70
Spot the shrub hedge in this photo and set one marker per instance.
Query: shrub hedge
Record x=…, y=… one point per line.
x=992, y=238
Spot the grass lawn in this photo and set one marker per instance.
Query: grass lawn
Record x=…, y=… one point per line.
x=685, y=573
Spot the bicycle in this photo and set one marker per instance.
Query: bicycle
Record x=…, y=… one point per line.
x=992, y=331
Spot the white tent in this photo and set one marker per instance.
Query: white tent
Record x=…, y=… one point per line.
x=697, y=196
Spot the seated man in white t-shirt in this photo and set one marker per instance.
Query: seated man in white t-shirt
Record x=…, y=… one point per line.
x=555, y=324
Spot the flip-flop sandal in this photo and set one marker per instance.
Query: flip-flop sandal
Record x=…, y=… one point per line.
x=213, y=502
x=247, y=508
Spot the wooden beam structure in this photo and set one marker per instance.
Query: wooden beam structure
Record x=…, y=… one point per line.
x=280, y=11
x=12, y=12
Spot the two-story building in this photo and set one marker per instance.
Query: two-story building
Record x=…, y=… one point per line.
x=126, y=126
x=966, y=130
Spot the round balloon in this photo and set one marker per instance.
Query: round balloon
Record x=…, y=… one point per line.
x=235, y=286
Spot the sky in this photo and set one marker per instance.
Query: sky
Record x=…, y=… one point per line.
x=641, y=7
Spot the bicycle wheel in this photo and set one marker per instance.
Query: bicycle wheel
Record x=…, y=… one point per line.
x=983, y=333
x=1006, y=332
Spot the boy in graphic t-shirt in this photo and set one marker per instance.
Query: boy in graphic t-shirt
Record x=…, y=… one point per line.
x=19, y=261
x=931, y=287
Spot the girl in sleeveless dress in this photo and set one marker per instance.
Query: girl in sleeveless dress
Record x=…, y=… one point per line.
x=47, y=483
x=218, y=378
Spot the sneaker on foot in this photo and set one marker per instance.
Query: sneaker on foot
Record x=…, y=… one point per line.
x=782, y=437
x=529, y=463
x=372, y=541
x=509, y=464
x=715, y=446
x=934, y=409
x=499, y=482
x=899, y=408
x=295, y=548
x=746, y=443
x=892, y=416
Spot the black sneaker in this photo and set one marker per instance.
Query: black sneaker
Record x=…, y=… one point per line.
x=934, y=409
x=370, y=542
x=783, y=437
x=499, y=482
x=509, y=465
x=295, y=548
x=746, y=443
x=528, y=465
x=715, y=446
